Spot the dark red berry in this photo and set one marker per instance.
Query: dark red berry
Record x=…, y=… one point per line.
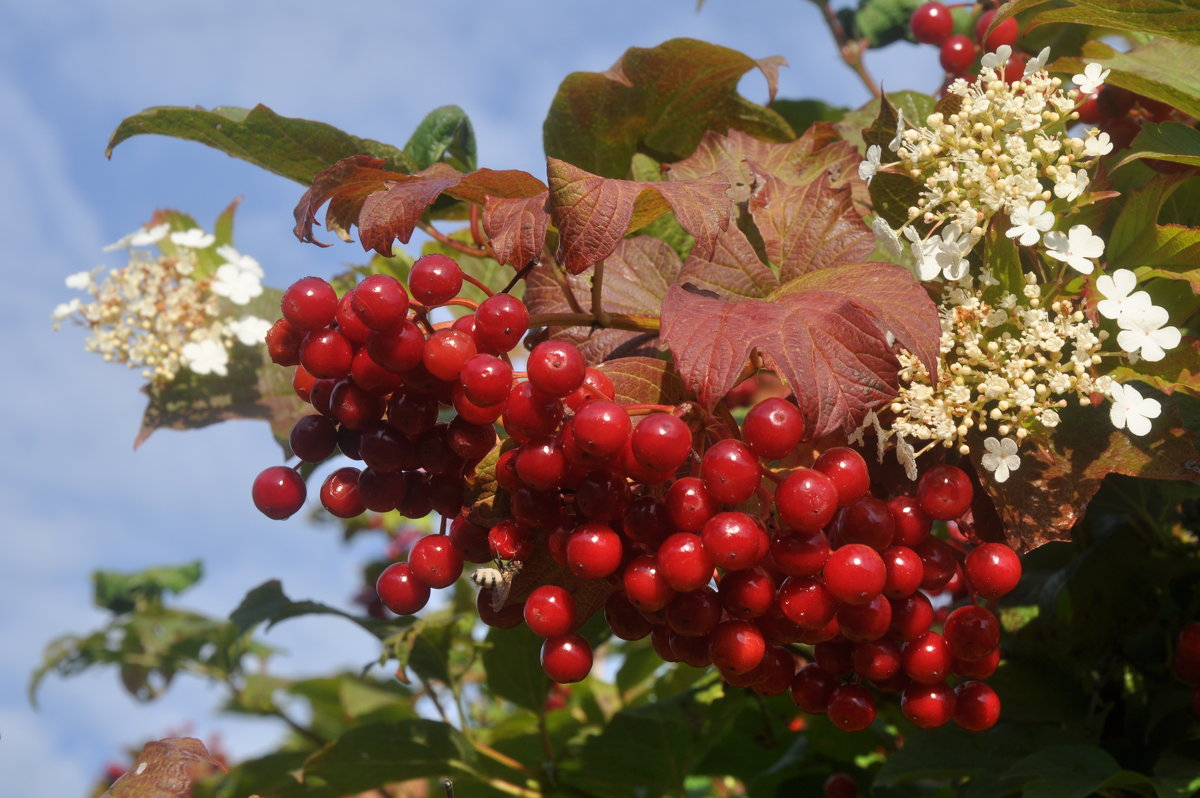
x=730, y=471
x=848, y=472
x=805, y=602
x=400, y=591
x=313, y=438
x=911, y=617
x=380, y=301
x=806, y=500
x=993, y=570
x=435, y=279
x=977, y=707
x=339, y=493
x=694, y=614
x=972, y=632
x=861, y=623
x=931, y=23
x=736, y=647
x=840, y=785
x=624, y=619
x=945, y=492
x=567, y=658
x=309, y=304
x=957, y=54
x=811, y=688
x=550, y=611
x=283, y=343
x=855, y=574
x=851, y=707
x=865, y=520
x=747, y=594
x=684, y=562
x=772, y=428
x=326, y=353
x=734, y=540
x=278, y=492
x=928, y=705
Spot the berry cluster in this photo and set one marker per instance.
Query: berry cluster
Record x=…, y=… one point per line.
x=932, y=24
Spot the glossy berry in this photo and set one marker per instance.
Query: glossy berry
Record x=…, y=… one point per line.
x=278, y=492
x=541, y=464
x=805, y=602
x=684, y=562
x=283, y=343
x=972, y=632
x=550, y=611
x=1006, y=33
x=977, y=707
x=811, y=688
x=927, y=659
x=348, y=321
x=446, y=351
x=931, y=23
x=976, y=668
x=847, y=470
x=861, y=623
x=736, y=647
x=313, y=438
x=957, y=54
x=309, y=304
x=928, y=705
x=876, y=659
x=326, y=353
x=747, y=594
x=509, y=540
x=730, y=471
x=851, y=707
x=645, y=585
x=940, y=561
x=435, y=279
x=339, y=493
x=601, y=427
x=400, y=591
x=593, y=551
x=806, y=500
x=689, y=504
x=596, y=385
x=694, y=614
x=661, y=442
x=380, y=301
x=912, y=523
x=435, y=561
x=501, y=321
x=800, y=553
x=772, y=428
x=911, y=617
x=865, y=520
x=993, y=570
x=945, y=492
x=486, y=379
x=567, y=658
x=556, y=368
x=624, y=619
x=855, y=574
x=734, y=540
x=905, y=571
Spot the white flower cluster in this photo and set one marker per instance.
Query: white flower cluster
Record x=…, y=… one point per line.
x=155, y=315
x=1004, y=150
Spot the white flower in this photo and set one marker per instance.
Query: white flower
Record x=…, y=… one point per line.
x=868, y=168
x=1142, y=331
x=1049, y=418
x=205, y=357
x=238, y=285
x=1071, y=185
x=995, y=61
x=1097, y=145
x=79, y=281
x=1077, y=248
x=1038, y=62
x=895, y=143
x=250, y=330
x=1116, y=292
x=193, y=239
x=1130, y=411
x=1001, y=457
x=1092, y=78
x=1030, y=222
x=925, y=254
x=243, y=262
x=887, y=237
x=64, y=309
x=952, y=246
x=141, y=237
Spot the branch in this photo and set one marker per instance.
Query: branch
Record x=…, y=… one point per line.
x=445, y=240
x=850, y=50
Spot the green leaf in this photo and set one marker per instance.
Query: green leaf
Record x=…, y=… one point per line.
x=1064, y=771
x=1161, y=70
x=659, y=101
x=882, y=22
x=1178, y=371
x=1137, y=240
x=268, y=603
x=119, y=592
x=915, y=105
x=223, y=228
x=371, y=755
x=1175, y=19
x=445, y=134
x=294, y=148
x=801, y=114
x=1168, y=141
x=512, y=659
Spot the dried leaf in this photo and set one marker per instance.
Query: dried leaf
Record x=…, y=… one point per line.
x=394, y=212
x=166, y=769
x=348, y=183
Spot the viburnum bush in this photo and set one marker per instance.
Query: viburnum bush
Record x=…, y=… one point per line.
x=778, y=448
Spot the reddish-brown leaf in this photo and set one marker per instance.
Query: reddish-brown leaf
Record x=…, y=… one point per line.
x=1044, y=499
x=593, y=213
x=644, y=380
x=516, y=227
x=395, y=211
x=770, y=66
x=810, y=225
x=636, y=277
x=345, y=185
x=482, y=183
x=166, y=769
x=731, y=270
x=709, y=338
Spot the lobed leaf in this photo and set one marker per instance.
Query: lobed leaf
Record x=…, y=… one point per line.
x=1169, y=141
x=268, y=604
x=396, y=210
x=445, y=134
x=119, y=592
x=644, y=380
x=295, y=148
x=516, y=227
x=657, y=100
x=731, y=270
x=1174, y=19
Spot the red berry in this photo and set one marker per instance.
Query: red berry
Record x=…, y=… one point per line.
x=905, y=571
x=773, y=676
x=309, y=304
x=661, y=442
x=747, y=594
x=855, y=574
x=541, y=464
x=567, y=658
x=841, y=785
x=381, y=491
x=550, y=611
x=848, y=472
x=927, y=659
x=348, y=321
x=278, y=492
x=865, y=520
x=734, y=540
x=877, y=660
x=601, y=427
x=993, y=570
x=435, y=279
x=645, y=585
x=435, y=561
x=470, y=539
x=772, y=428
x=730, y=471
x=940, y=561
x=694, y=614
x=380, y=301
x=811, y=688
x=593, y=551
x=851, y=707
x=689, y=504
x=603, y=496
x=977, y=707
x=339, y=493
x=805, y=602
x=313, y=438
x=532, y=414
x=510, y=540
x=806, y=500
x=556, y=368
x=945, y=492
x=400, y=591
x=624, y=619
x=976, y=668
x=1186, y=660
x=928, y=705
x=486, y=379
x=912, y=523
x=911, y=617
x=957, y=54
x=326, y=353
x=861, y=623
x=1004, y=33
x=800, y=554
x=353, y=407
x=684, y=562
x=508, y=617
x=736, y=647
x=596, y=385
x=931, y=23
x=283, y=343
x=501, y=321
x=972, y=632
x=446, y=351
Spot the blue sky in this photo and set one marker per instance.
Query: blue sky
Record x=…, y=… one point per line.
x=76, y=496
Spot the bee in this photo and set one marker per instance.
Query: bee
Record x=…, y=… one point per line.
x=498, y=580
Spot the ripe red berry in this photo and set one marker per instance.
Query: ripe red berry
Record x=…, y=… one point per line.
x=470, y=539
x=540, y=464
x=855, y=574
x=645, y=585
x=931, y=23
x=851, y=707
x=747, y=594
x=283, y=343
x=400, y=591
x=912, y=523
x=501, y=321
x=309, y=304
x=507, y=617
x=734, y=540
x=661, y=442
x=976, y=668
x=811, y=688
x=689, y=504
x=730, y=471
x=945, y=492
x=684, y=562
x=435, y=561
x=435, y=279
x=348, y=321
x=1006, y=33
x=326, y=353
x=278, y=492
x=805, y=602
x=799, y=554
x=593, y=551
x=446, y=351
x=940, y=561
x=339, y=493
x=840, y=785
x=567, y=658
x=694, y=614
x=957, y=54
x=977, y=707
x=865, y=520
x=806, y=500
x=848, y=472
x=993, y=570
x=905, y=571
x=972, y=632
x=624, y=619
x=596, y=385
x=928, y=705
x=772, y=428
x=861, y=623
x=877, y=660
x=353, y=407
x=911, y=617
x=550, y=611
x=736, y=647
x=532, y=414
x=313, y=438
x=380, y=301
x=927, y=659
x=556, y=368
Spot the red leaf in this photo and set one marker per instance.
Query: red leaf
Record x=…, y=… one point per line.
x=644, y=380
x=708, y=338
x=636, y=277
x=517, y=227
x=807, y=226
x=483, y=183
x=593, y=213
x=166, y=769
x=731, y=270
x=345, y=185
x=395, y=212
x=769, y=66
